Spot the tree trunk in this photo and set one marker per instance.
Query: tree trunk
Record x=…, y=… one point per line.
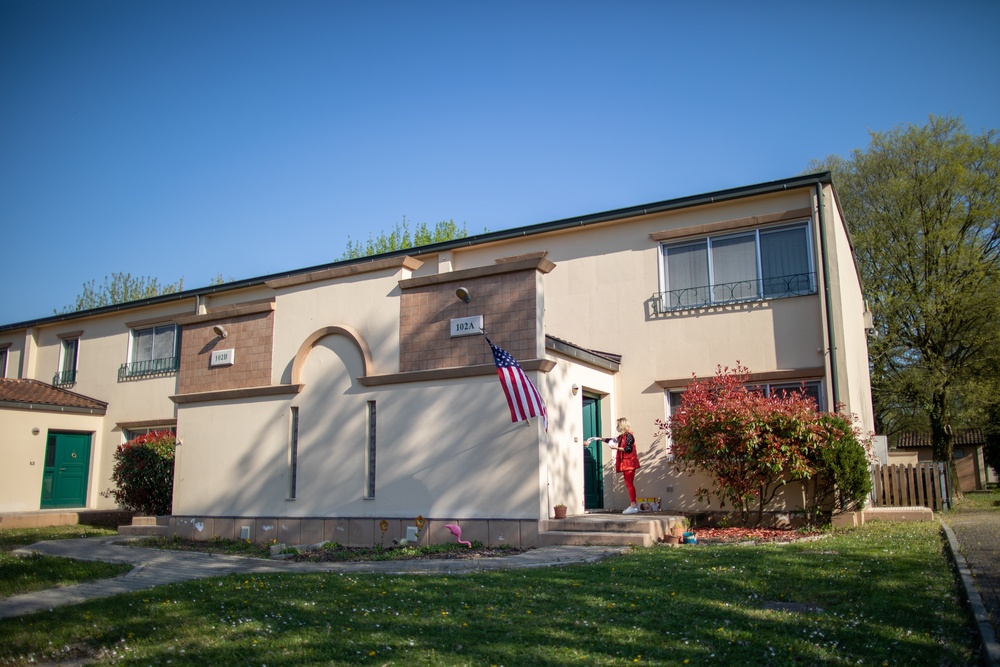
x=942, y=437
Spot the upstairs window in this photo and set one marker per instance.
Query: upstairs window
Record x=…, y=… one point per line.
x=68, y=357
x=152, y=350
x=3, y=362
x=761, y=264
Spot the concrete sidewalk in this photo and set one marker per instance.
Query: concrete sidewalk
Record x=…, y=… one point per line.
x=155, y=567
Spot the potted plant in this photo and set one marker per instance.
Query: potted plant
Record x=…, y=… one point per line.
x=559, y=511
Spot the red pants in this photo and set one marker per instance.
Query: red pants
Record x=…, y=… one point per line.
x=630, y=484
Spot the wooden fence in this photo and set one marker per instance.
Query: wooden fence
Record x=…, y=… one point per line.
x=926, y=484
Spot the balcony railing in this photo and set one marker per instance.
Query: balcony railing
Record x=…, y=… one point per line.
x=150, y=367
x=777, y=287
x=64, y=377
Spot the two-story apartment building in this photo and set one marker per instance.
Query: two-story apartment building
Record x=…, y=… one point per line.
x=324, y=400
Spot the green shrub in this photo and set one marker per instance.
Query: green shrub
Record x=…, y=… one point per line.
x=143, y=474
x=843, y=462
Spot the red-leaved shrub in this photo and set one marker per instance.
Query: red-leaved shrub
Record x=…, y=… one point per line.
x=143, y=474
x=750, y=444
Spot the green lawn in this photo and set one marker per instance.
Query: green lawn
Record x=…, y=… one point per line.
x=979, y=501
x=25, y=574
x=879, y=595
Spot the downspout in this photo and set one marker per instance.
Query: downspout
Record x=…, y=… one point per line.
x=834, y=383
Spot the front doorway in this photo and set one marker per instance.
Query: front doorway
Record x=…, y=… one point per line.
x=593, y=463
x=67, y=468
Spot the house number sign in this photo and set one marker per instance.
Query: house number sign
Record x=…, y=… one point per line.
x=223, y=358
x=467, y=326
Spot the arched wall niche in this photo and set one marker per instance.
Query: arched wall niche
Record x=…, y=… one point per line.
x=348, y=332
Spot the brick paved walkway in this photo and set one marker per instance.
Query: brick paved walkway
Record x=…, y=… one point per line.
x=977, y=533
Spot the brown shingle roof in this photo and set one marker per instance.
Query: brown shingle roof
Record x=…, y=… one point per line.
x=968, y=436
x=38, y=395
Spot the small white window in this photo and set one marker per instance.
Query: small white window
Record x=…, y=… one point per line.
x=68, y=357
x=293, y=454
x=370, y=450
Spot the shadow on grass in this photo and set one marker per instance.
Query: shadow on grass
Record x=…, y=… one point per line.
x=877, y=594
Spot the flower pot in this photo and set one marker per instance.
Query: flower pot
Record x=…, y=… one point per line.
x=559, y=511
x=672, y=539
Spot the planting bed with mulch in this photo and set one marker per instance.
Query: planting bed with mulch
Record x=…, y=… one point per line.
x=735, y=535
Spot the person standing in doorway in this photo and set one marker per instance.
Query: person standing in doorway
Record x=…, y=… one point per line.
x=626, y=459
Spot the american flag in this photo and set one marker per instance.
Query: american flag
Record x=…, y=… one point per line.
x=522, y=397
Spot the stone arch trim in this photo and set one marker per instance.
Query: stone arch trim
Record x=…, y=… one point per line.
x=348, y=332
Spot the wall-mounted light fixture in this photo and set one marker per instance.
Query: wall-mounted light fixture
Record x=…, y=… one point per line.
x=220, y=331
x=576, y=389
x=464, y=294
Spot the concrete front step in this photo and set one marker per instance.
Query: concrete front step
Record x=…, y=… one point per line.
x=593, y=539
x=151, y=521
x=144, y=531
x=606, y=530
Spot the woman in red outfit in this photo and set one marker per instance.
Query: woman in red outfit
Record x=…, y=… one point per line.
x=626, y=460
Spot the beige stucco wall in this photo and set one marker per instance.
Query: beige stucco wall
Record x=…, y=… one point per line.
x=436, y=443
x=565, y=439
x=596, y=297
x=850, y=334
x=24, y=454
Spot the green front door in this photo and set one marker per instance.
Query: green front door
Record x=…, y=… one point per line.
x=67, y=467
x=593, y=465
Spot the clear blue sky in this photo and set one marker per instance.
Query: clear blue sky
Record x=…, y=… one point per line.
x=188, y=139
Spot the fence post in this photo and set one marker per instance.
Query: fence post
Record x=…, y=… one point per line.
x=943, y=474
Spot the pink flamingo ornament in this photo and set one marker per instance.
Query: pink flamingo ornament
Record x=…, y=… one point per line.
x=457, y=532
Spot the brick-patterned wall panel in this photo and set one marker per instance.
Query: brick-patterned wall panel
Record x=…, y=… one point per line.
x=505, y=300
x=250, y=336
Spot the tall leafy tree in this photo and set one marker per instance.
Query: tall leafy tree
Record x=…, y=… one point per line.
x=120, y=288
x=922, y=207
x=124, y=287
x=400, y=238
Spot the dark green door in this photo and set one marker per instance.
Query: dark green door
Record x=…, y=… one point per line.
x=593, y=466
x=67, y=467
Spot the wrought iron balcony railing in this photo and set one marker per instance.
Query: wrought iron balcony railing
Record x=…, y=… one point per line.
x=64, y=377
x=778, y=287
x=150, y=367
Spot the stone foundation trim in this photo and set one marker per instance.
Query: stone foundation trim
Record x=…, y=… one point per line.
x=354, y=532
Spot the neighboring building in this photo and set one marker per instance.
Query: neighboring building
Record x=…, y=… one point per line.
x=317, y=402
x=967, y=451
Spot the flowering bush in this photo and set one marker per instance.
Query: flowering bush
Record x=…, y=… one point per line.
x=143, y=474
x=750, y=444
